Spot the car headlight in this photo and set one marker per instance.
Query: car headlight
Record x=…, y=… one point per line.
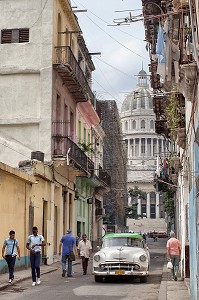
x=142, y=258
x=97, y=257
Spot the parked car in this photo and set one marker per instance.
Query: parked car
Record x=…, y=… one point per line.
x=122, y=254
x=161, y=234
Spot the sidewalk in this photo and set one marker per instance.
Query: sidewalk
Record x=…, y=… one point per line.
x=172, y=290
x=26, y=274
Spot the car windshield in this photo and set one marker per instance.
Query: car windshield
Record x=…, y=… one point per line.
x=122, y=241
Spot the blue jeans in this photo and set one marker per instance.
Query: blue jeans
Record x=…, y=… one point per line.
x=64, y=259
x=35, y=265
x=11, y=265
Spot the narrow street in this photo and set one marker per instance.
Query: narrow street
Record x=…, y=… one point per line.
x=53, y=286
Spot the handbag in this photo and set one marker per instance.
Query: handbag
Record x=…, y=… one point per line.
x=169, y=265
x=8, y=257
x=72, y=256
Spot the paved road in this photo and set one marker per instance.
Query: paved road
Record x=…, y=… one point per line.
x=54, y=287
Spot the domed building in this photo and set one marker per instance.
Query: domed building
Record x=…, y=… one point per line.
x=143, y=147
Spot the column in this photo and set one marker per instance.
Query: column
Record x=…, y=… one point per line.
x=152, y=147
x=157, y=205
x=148, y=203
x=128, y=148
x=139, y=206
x=139, y=147
x=134, y=153
x=129, y=200
x=146, y=147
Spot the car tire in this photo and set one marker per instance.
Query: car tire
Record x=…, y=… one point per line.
x=143, y=279
x=98, y=278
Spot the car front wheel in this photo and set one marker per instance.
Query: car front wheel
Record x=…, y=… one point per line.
x=143, y=279
x=98, y=278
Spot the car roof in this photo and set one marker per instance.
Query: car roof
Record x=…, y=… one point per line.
x=124, y=234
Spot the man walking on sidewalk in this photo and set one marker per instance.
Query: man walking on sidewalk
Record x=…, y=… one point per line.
x=67, y=245
x=9, y=249
x=173, y=253
x=84, y=251
x=34, y=243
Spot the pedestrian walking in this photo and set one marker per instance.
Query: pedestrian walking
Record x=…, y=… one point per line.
x=10, y=250
x=173, y=254
x=66, y=246
x=35, y=243
x=84, y=251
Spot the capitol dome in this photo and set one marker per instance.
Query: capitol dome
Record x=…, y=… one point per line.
x=140, y=98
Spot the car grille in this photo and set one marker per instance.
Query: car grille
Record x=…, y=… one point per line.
x=117, y=266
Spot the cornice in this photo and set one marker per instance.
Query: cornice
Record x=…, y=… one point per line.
x=66, y=7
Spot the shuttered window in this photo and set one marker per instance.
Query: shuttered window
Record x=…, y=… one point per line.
x=9, y=36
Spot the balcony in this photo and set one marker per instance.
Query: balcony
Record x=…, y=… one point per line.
x=64, y=147
x=72, y=75
x=104, y=177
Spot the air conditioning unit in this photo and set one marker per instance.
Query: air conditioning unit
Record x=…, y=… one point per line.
x=100, y=212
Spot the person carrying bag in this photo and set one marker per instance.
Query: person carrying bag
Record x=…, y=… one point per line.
x=9, y=248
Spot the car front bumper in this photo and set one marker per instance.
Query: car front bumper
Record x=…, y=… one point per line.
x=124, y=273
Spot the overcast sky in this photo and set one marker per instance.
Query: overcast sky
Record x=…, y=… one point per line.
x=112, y=42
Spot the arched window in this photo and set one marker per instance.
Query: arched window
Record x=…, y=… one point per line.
x=126, y=125
x=142, y=124
x=152, y=124
x=133, y=124
x=134, y=103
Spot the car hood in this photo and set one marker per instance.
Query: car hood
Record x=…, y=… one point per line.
x=121, y=253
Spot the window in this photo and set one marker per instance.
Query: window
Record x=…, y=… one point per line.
x=142, y=124
x=143, y=150
x=9, y=36
x=79, y=130
x=134, y=103
x=152, y=124
x=133, y=124
x=85, y=133
x=142, y=100
x=150, y=102
x=126, y=125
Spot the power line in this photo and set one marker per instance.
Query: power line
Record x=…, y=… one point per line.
x=39, y=14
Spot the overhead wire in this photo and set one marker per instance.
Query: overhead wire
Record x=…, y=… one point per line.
x=127, y=48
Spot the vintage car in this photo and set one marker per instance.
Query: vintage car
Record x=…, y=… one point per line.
x=122, y=254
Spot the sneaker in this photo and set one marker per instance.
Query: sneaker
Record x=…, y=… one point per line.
x=70, y=276
x=175, y=278
x=34, y=284
x=63, y=273
x=38, y=281
x=10, y=281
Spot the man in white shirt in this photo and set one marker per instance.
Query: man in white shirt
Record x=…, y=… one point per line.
x=34, y=243
x=84, y=251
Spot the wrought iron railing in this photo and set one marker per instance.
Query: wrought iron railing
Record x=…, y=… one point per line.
x=65, y=56
x=63, y=146
x=105, y=177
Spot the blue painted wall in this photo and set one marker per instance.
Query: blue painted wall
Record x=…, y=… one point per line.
x=193, y=230
x=23, y=263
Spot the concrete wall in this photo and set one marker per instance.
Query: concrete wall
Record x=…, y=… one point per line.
x=26, y=81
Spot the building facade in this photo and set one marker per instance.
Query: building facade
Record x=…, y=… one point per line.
x=143, y=147
x=47, y=105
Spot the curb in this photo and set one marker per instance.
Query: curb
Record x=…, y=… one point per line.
x=163, y=285
x=5, y=285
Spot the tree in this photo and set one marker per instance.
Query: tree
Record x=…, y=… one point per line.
x=131, y=210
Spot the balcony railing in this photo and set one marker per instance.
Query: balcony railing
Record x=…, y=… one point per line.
x=63, y=146
x=72, y=75
x=105, y=177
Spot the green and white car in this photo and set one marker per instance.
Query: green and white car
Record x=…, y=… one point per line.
x=122, y=254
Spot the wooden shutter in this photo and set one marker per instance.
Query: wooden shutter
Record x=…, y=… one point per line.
x=6, y=36
x=24, y=35
x=9, y=36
